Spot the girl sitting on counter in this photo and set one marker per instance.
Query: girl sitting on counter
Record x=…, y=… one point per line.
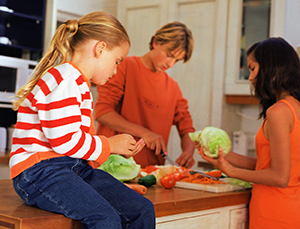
x=55, y=150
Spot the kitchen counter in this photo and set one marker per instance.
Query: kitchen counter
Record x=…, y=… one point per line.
x=179, y=200
x=14, y=213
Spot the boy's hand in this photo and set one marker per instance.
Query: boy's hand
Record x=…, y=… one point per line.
x=125, y=144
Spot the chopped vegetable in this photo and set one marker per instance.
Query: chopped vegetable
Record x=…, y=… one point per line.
x=199, y=179
x=234, y=181
x=214, y=173
x=211, y=139
x=141, y=189
x=178, y=176
x=149, y=169
x=168, y=181
x=147, y=180
x=121, y=168
x=161, y=171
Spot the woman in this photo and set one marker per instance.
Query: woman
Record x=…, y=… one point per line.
x=275, y=201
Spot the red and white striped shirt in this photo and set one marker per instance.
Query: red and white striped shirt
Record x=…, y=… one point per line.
x=56, y=120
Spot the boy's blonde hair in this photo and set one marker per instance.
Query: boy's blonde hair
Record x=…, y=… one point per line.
x=98, y=25
x=179, y=37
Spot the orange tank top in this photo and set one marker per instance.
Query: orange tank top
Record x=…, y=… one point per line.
x=272, y=207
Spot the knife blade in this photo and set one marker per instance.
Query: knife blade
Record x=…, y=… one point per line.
x=203, y=174
x=168, y=158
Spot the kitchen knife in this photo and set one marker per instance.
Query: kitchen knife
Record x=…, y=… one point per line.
x=203, y=174
x=169, y=159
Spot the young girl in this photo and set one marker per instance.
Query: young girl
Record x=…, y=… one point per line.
x=275, y=201
x=55, y=151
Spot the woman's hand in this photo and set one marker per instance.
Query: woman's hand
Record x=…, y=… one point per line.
x=125, y=144
x=198, y=146
x=219, y=163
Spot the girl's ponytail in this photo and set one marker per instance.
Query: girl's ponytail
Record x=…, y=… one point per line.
x=58, y=52
x=98, y=25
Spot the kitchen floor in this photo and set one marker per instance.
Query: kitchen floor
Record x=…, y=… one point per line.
x=4, y=171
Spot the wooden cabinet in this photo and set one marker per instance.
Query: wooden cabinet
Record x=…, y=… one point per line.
x=22, y=22
x=201, y=78
x=283, y=23
x=239, y=218
x=232, y=217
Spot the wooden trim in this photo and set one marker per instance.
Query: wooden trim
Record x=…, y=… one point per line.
x=7, y=225
x=199, y=204
x=241, y=99
x=4, y=159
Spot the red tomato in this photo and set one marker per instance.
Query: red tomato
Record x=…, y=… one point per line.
x=178, y=176
x=180, y=173
x=168, y=181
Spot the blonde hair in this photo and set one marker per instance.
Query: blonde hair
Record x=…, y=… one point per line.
x=179, y=37
x=98, y=25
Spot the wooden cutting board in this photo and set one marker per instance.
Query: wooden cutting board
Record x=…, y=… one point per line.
x=209, y=187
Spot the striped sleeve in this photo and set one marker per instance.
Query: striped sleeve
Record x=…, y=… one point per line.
x=65, y=117
x=56, y=116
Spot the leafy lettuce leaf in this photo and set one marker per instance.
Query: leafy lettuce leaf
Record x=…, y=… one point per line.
x=121, y=168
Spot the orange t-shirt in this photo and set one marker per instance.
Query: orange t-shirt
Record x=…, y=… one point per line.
x=152, y=100
x=272, y=207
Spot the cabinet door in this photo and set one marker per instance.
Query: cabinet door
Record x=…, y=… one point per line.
x=141, y=20
x=283, y=23
x=200, y=79
x=207, y=221
x=239, y=218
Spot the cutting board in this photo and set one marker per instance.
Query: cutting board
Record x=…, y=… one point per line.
x=209, y=187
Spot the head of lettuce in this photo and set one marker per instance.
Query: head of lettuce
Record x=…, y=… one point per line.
x=121, y=168
x=211, y=139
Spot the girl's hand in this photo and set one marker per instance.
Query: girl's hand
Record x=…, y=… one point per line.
x=125, y=144
x=220, y=163
x=198, y=146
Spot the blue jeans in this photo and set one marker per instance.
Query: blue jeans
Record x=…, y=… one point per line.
x=71, y=187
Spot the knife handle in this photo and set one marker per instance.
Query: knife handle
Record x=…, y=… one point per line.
x=162, y=153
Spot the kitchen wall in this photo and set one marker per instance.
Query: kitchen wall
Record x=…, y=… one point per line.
x=82, y=7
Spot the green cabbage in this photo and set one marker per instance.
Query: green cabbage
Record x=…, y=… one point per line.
x=211, y=138
x=195, y=137
x=121, y=168
x=234, y=181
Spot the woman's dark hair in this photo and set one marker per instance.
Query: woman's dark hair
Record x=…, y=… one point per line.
x=279, y=71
